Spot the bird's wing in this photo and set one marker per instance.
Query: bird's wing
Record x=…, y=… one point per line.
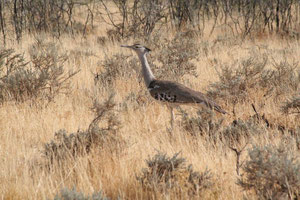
x=168, y=91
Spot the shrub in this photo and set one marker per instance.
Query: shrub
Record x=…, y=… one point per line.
x=250, y=75
x=114, y=67
x=13, y=79
x=75, y=144
x=69, y=146
x=204, y=124
x=238, y=130
x=138, y=18
x=43, y=77
x=165, y=174
x=175, y=56
x=67, y=194
x=47, y=61
x=291, y=106
x=284, y=79
x=51, y=16
x=141, y=18
x=272, y=173
x=235, y=82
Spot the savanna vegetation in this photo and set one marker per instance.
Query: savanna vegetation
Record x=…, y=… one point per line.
x=76, y=121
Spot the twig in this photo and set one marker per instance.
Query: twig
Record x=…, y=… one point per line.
x=238, y=154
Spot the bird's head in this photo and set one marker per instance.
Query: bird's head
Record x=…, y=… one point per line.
x=139, y=49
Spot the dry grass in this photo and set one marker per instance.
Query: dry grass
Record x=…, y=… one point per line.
x=25, y=128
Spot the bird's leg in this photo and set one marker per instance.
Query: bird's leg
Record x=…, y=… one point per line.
x=172, y=117
x=171, y=120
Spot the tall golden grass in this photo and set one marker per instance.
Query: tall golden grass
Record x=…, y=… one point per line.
x=26, y=127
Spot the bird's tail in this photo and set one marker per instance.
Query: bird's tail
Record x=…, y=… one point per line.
x=216, y=107
x=219, y=109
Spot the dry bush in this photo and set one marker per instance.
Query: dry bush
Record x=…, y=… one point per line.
x=291, y=106
x=272, y=173
x=43, y=77
x=175, y=56
x=70, y=146
x=240, y=130
x=67, y=194
x=48, y=60
x=240, y=17
x=235, y=82
x=115, y=67
x=284, y=79
x=52, y=16
x=143, y=17
x=13, y=76
x=204, y=124
x=251, y=75
x=136, y=19
x=170, y=174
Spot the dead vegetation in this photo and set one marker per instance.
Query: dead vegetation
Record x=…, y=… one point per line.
x=291, y=106
x=89, y=140
x=238, y=81
x=42, y=77
x=67, y=146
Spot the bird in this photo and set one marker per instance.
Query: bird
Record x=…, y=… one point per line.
x=169, y=92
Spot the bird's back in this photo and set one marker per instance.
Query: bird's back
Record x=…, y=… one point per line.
x=172, y=92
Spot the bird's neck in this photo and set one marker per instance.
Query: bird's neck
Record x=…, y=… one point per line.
x=146, y=70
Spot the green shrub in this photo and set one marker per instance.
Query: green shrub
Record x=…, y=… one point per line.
x=284, y=79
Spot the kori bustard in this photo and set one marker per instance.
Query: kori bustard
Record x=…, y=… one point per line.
x=169, y=92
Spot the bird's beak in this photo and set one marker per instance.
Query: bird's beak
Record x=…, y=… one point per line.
x=126, y=46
